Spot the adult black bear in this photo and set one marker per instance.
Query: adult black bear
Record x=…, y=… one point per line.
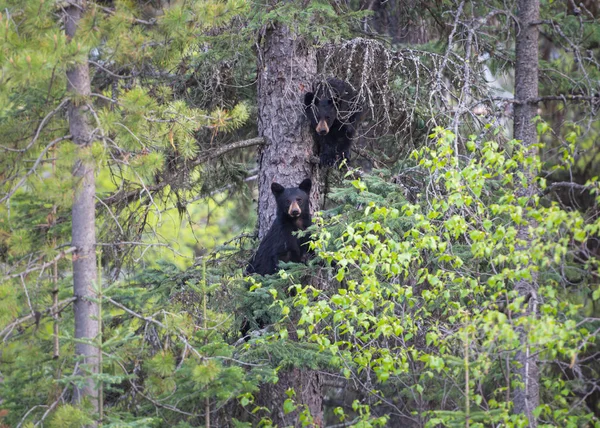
x=334, y=112
x=280, y=243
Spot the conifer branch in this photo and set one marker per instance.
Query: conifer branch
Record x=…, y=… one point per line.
x=150, y=399
x=207, y=156
x=154, y=321
x=37, y=315
x=39, y=128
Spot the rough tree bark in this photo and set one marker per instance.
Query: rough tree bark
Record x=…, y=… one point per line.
x=526, y=398
x=83, y=216
x=287, y=66
x=397, y=19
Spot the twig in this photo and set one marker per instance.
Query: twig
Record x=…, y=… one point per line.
x=563, y=98
x=101, y=67
x=52, y=407
x=27, y=414
x=567, y=185
x=257, y=141
x=39, y=129
x=179, y=336
x=153, y=321
x=153, y=401
x=37, y=162
x=45, y=265
x=27, y=295
x=31, y=316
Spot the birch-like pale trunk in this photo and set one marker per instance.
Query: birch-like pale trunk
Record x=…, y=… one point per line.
x=84, y=217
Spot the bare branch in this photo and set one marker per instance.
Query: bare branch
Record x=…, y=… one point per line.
x=207, y=156
x=51, y=310
x=39, y=129
x=43, y=266
x=32, y=169
x=257, y=141
x=566, y=185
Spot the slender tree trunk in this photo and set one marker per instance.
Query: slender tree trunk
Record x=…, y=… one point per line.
x=526, y=398
x=287, y=66
x=84, y=216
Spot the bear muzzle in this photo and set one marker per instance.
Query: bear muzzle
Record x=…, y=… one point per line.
x=322, y=128
x=294, y=210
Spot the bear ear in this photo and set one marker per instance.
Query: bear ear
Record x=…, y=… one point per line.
x=308, y=98
x=277, y=188
x=305, y=185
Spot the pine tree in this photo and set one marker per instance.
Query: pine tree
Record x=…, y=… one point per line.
x=100, y=100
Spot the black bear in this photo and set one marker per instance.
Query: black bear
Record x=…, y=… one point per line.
x=280, y=243
x=334, y=112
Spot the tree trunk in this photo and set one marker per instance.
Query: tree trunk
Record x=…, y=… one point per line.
x=83, y=216
x=287, y=66
x=396, y=18
x=526, y=398
x=307, y=384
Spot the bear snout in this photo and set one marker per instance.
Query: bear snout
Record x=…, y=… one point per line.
x=322, y=128
x=294, y=210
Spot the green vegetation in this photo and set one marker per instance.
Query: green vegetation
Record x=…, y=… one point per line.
x=409, y=311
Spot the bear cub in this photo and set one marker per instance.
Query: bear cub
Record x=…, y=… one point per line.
x=334, y=112
x=280, y=243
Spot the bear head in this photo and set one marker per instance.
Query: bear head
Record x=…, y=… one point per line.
x=293, y=202
x=321, y=108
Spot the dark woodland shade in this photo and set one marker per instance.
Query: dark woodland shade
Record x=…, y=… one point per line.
x=334, y=113
x=280, y=243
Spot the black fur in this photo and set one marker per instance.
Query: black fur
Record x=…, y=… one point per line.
x=334, y=113
x=280, y=243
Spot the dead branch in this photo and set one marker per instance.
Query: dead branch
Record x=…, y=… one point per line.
x=39, y=128
x=32, y=169
x=43, y=266
x=36, y=315
x=566, y=185
x=207, y=156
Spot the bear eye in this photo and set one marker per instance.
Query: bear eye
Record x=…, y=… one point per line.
x=299, y=200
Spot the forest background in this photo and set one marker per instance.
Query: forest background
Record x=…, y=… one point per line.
x=455, y=277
